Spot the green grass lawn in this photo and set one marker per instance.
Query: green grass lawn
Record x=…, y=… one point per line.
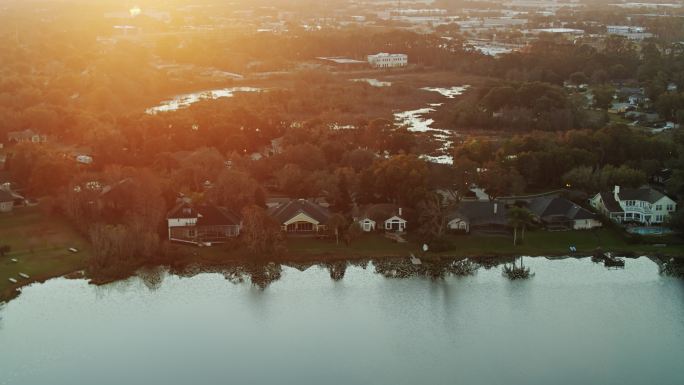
x=40, y=244
x=554, y=243
x=536, y=243
x=539, y=243
x=368, y=245
x=301, y=249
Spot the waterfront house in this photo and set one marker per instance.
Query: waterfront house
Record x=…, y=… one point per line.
x=662, y=176
x=301, y=217
x=643, y=205
x=562, y=214
x=390, y=216
x=481, y=216
x=202, y=224
x=10, y=199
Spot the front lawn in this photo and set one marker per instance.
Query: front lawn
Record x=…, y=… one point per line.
x=368, y=245
x=40, y=243
x=554, y=243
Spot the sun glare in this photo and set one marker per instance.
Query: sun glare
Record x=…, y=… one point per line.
x=135, y=11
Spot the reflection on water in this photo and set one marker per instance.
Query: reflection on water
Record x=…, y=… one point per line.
x=445, y=322
x=671, y=267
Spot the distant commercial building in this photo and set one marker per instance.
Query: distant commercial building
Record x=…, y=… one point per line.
x=630, y=32
x=388, y=60
x=568, y=32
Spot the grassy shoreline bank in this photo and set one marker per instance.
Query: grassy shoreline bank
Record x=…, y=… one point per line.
x=41, y=243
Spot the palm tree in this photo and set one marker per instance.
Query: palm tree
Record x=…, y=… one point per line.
x=519, y=217
x=337, y=223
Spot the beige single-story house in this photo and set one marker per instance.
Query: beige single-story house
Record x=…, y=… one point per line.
x=301, y=216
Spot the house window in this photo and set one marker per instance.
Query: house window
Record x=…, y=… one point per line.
x=299, y=227
x=629, y=215
x=670, y=207
x=659, y=207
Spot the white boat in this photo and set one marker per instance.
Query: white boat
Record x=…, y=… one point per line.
x=13, y=280
x=73, y=250
x=14, y=260
x=415, y=261
x=22, y=275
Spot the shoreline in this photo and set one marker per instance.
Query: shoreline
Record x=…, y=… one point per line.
x=199, y=265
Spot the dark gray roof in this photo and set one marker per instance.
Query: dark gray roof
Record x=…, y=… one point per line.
x=482, y=213
x=379, y=212
x=610, y=202
x=558, y=207
x=286, y=211
x=647, y=194
x=207, y=215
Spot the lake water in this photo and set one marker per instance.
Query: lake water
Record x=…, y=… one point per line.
x=574, y=322
x=415, y=121
x=186, y=100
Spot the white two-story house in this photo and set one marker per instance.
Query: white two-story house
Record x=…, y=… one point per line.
x=643, y=205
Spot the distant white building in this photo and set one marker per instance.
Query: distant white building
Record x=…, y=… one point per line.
x=568, y=32
x=388, y=60
x=84, y=159
x=630, y=32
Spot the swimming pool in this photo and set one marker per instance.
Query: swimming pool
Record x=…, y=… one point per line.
x=643, y=230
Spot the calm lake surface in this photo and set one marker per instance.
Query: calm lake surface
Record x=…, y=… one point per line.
x=574, y=322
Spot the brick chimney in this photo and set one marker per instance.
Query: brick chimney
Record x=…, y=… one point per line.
x=400, y=211
x=616, y=193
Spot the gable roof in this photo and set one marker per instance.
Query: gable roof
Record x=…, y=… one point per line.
x=395, y=218
x=207, y=215
x=379, y=212
x=610, y=203
x=558, y=207
x=647, y=194
x=481, y=213
x=288, y=210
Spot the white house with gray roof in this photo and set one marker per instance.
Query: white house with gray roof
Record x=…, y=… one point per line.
x=643, y=205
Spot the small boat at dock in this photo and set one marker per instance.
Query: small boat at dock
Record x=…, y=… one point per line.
x=25, y=276
x=13, y=280
x=610, y=261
